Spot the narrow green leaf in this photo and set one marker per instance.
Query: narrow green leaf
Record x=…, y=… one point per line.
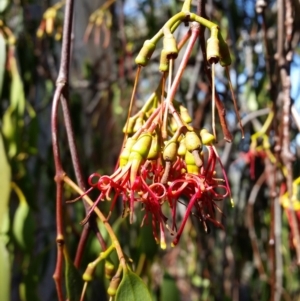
x=24, y=226
x=169, y=290
x=5, y=173
x=2, y=61
x=73, y=279
x=132, y=288
x=5, y=181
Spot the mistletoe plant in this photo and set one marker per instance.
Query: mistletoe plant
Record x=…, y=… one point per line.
x=163, y=161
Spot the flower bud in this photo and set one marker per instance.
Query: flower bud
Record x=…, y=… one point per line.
x=113, y=285
x=154, y=149
x=191, y=164
x=182, y=148
x=128, y=127
x=185, y=116
x=164, y=61
x=192, y=141
x=88, y=275
x=206, y=137
x=170, y=151
x=225, y=59
x=212, y=50
x=109, y=269
x=142, y=145
x=124, y=156
x=170, y=46
x=173, y=124
x=138, y=124
x=145, y=53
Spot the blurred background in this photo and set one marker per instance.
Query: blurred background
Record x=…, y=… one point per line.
x=254, y=258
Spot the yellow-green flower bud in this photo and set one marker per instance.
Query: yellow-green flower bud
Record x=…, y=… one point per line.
x=124, y=156
x=212, y=50
x=190, y=163
x=164, y=61
x=192, y=141
x=109, y=269
x=113, y=286
x=145, y=53
x=170, y=151
x=206, y=137
x=154, y=149
x=185, y=116
x=128, y=127
x=182, y=148
x=88, y=275
x=225, y=59
x=170, y=46
x=142, y=145
x=173, y=124
x=138, y=124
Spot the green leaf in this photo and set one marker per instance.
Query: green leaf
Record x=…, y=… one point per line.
x=169, y=290
x=5, y=173
x=73, y=279
x=132, y=288
x=2, y=60
x=5, y=182
x=23, y=223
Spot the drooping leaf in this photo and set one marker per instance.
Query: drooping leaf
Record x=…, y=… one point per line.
x=5, y=181
x=132, y=288
x=5, y=173
x=23, y=223
x=73, y=279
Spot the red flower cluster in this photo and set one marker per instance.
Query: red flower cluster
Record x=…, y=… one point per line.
x=153, y=182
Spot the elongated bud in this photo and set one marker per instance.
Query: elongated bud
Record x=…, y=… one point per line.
x=173, y=124
x=138, y=124
x=88, y=275
x=185, y=116
x=225, y=59
x=109, y=269
x=206, y=137
x=190, y=163
x=192, y=141
x=182, y=148
x=170, y=151
x=126, y=151
x=170, y=46
x=154, y=149
x=139, y=153
x=142, y=145
x=145, y=53
x=212, y=47
x=113, y=286
x=128, y=127
x=164, y=61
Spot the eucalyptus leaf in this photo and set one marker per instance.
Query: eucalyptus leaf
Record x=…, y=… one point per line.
x=23, y=222
x=73, y=279
x=132, y=288
x=5, y=173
